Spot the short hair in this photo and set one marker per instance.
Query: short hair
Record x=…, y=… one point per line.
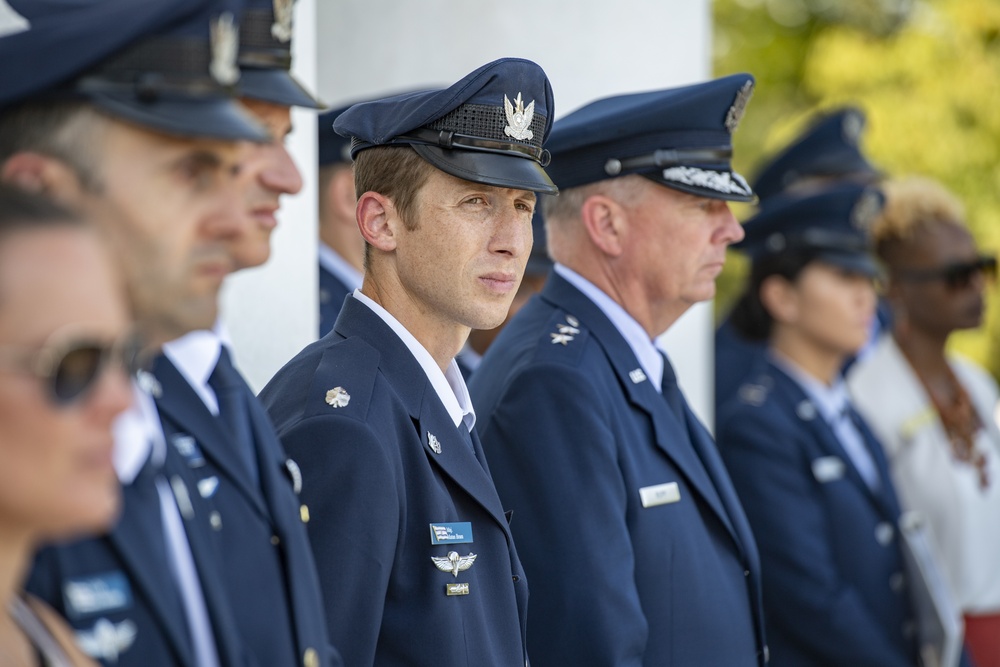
x=63, y=129
x=913, y=204
x=396, y=172
x=22, y=211
x=750, y=317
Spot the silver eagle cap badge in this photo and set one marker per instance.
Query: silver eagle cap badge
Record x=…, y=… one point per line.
x=225, y=42
x=519, y=118
x=281, y=29
x=453, y=562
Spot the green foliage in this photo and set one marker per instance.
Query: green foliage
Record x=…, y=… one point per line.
x=927, y=74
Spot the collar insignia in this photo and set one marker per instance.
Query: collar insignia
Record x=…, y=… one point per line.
x=281, y=29
x=338, y=397
x=519, y=118
x=435, y=445
x=739, y=106
x=225, y=46
x=454, y=563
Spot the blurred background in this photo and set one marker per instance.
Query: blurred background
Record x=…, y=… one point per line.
x=926, y=74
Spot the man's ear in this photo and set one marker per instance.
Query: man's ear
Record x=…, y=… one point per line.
x=375, y=213
x=606, y=222
x=779, y=298
x=42, y=174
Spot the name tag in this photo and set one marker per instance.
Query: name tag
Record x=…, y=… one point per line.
x=456, y=589
x=827, y=469
x=661, y=494
x=99, y=594
x=451, y=533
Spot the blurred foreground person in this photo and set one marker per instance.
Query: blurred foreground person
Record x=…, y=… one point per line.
x=933, y=411
x=63, y=348
x=811, y=476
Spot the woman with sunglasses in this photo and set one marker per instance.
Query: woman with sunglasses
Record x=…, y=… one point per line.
x=61, y=310
x=934, y=411
x=810, y=475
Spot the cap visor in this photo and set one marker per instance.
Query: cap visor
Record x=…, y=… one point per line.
x=502, y=171
x=276, y=86
x=212, y=118
x=861, y=264
x=727, y=189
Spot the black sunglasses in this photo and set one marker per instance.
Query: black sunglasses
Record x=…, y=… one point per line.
x=69, y=369
x=956, y=276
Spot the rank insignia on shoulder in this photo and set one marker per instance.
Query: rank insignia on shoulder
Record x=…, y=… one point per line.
x=434, y=443
x=753, y=394
x=338, y=397
x=453, y=562
x=106, y=640
x=566, y=332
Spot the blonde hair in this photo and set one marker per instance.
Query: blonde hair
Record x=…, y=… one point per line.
x=913, y=204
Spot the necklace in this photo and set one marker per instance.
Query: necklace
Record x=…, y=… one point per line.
x=959, y=418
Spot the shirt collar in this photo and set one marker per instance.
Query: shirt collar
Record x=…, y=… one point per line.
x=830, y=400
x=331, y=260
x=633, y=333
x=195, y=355
x=449, y=386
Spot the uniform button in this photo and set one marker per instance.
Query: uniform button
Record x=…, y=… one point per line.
x=275, y=541
x=767, y=654
x=746, y=573
x=884, y=533
x=897, y=581
x=304, y=513
x=310, y=658
x=516, y=578
x=215, y=520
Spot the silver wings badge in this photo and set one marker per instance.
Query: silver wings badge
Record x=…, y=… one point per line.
x=454, y=563
x=519, y=118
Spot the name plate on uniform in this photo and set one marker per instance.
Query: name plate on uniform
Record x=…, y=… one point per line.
x=451, y=533
x=661, y=494
x=456, y=589
x=98, y=594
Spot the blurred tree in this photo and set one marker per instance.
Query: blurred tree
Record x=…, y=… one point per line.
x=927, y=74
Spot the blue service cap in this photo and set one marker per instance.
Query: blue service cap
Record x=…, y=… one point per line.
x=828, y=149
x=679, y=137
x=168, y=65
x=266, y=55
x=832, y=224
x=487, y=128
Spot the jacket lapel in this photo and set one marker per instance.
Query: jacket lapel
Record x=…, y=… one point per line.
x=141, y=544
x=447, y=450
x=671, y=435
x=188, y=413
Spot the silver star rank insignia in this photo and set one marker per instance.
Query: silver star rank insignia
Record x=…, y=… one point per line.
x=338, y=397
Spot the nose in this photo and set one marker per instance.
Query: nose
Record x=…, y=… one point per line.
x=512, y=235
x=730, y=230
x=280, y=173
x=112, y=395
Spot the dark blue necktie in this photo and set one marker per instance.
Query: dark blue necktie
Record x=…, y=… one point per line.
x=672, y=392
x=234, y=414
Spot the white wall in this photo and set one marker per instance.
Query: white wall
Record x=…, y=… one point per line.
x=365, y=48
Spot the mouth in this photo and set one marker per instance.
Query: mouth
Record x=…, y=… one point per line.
x=499, y=282
x=265, y=216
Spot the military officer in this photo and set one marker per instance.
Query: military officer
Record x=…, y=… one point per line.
x=124, y=110
x=828, y=152
x=415, y=556
x=811, y=475
x=212, y=417
x=341, y=246
x=630, y=531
